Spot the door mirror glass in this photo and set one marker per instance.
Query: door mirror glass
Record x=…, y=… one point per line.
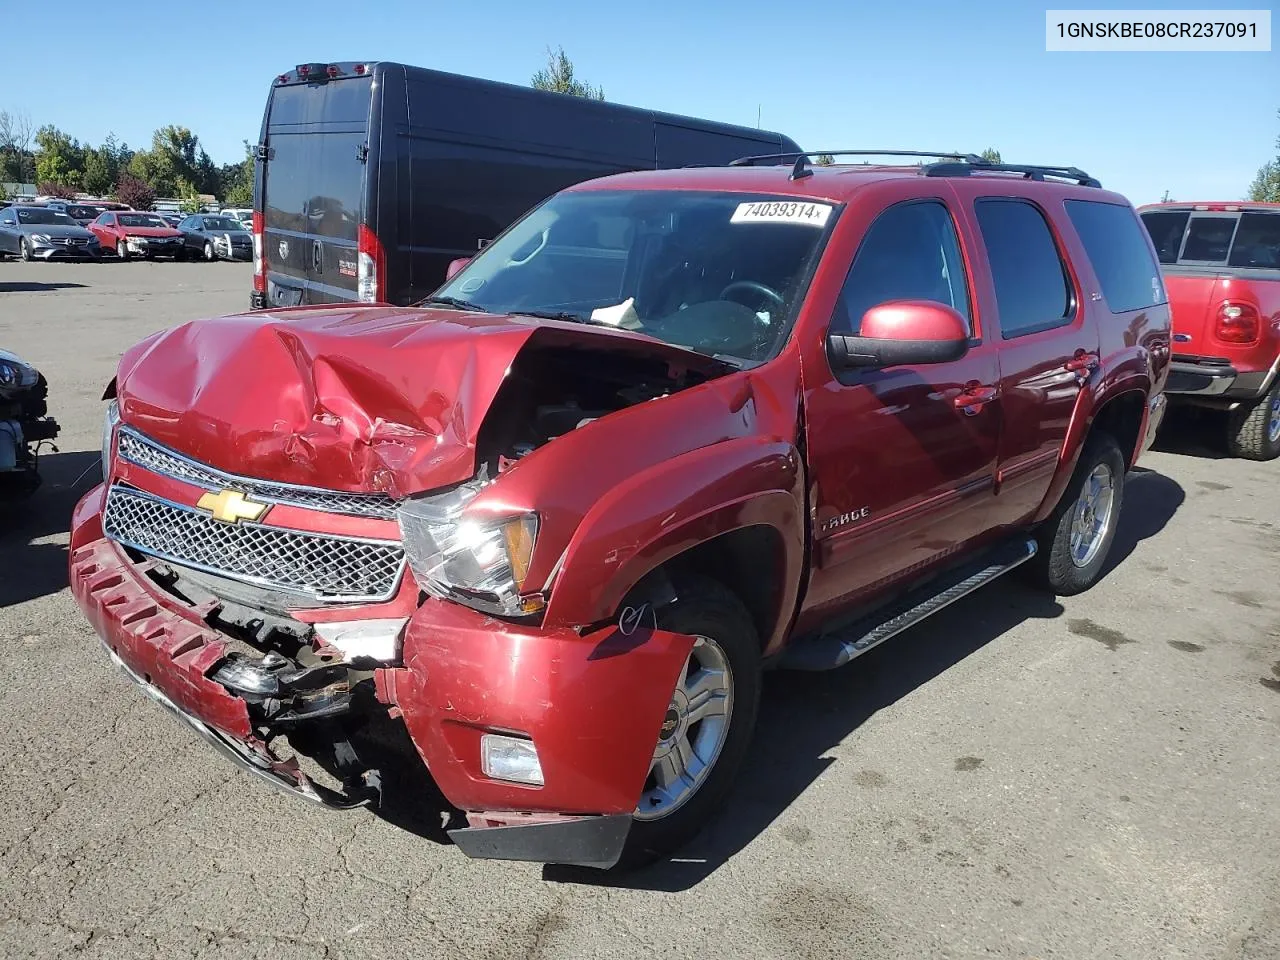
x=455, y=266
x=901, y=332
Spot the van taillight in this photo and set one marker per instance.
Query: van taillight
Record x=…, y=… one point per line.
x=1238, y=323
x=371, y=267
x=259, y=262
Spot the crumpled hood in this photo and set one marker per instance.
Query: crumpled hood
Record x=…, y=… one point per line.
x=363, y=399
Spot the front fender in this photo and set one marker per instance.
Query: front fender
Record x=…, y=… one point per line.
x=673, y=506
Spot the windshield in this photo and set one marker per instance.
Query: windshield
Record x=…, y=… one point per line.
x=719, y=273
x=46, y=216
x=140, y=220
x=84, y=213
x=221, y=223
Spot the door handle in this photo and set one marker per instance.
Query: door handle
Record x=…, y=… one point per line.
x=974, y=397
x=317, y=257
x=1081, y=362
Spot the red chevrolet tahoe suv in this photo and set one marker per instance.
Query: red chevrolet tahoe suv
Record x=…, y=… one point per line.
x=1222, y=270
x=669, y=429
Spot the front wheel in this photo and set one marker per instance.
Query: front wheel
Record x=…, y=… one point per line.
x=208, y=251
x=122, y=250
x=24, y=250
x=707, y=728
x=1254, y=430
x=1076, y=539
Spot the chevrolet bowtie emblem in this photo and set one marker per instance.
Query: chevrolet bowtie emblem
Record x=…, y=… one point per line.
x=231, y=506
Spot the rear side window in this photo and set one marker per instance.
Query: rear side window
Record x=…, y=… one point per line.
x=1209, y=239
x=1166, y=228
x=1118, y=250
x=1030, y=278
x=1257, y=241
x=910, y=252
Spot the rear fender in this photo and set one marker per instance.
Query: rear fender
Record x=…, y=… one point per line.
x=673, y=507
x=1088, y=407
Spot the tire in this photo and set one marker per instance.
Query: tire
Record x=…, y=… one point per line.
x=122, y=250
x=1063, y=564
x=24, y=250
x=1253, y=432
x=706, y=609
x=209, y=255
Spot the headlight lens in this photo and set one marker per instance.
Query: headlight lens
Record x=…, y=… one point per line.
x=477, y=561
x=40, y=237
x=109, y=423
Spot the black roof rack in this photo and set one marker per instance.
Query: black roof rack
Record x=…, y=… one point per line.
x=1029, y=171
x=958, y=165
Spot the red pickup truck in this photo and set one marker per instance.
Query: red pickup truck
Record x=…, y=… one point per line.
x=668, y=430
x=1222, y=270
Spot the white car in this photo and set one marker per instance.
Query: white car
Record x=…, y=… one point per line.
x=243, y=214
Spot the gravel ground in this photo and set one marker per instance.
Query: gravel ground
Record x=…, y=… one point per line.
x=1019, y=777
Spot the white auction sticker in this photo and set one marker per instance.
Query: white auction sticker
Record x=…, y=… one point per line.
x=782, y=211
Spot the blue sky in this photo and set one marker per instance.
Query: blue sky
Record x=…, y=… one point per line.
x=931, y=74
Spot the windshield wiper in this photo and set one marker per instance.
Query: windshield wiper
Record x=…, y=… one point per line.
x=455, y=302
x=563, y=315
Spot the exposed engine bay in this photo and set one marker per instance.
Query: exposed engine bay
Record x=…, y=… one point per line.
x=24, y=425
x=555, y=390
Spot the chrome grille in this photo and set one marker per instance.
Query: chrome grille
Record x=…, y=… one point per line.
x=135, y=448
x=321, y=566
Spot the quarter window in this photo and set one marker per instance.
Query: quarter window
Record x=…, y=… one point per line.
x=910, y=252
x=1117, y=248
x=1032, y=292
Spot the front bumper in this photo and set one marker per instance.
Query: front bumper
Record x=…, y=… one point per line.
x=48, y=251
x=152, y=249
x=592, y=703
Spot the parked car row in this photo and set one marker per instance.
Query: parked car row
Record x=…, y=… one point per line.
x=49, y=232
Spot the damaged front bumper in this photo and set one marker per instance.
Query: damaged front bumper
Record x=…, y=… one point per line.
x=170, y=655
x=591, y=701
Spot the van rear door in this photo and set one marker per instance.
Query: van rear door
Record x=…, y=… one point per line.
x=313, y=196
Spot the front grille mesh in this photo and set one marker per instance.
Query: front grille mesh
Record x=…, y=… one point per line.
x=317, y=565
x=137, y=449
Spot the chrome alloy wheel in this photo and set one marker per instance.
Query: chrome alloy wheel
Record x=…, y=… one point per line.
x=1092, y=515
x=693, y=731
x=1273, y=426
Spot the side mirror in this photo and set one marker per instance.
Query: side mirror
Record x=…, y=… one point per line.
x=901, y=332
x=455, y=266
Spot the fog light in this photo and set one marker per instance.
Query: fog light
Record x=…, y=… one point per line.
x=510, y=758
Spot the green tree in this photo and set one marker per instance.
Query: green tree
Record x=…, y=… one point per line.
x=60, y=158
x=824, y=159
x=558, y=77
x=991, y=155
x=237, y=180
x=99, y=170
x=1266, y=185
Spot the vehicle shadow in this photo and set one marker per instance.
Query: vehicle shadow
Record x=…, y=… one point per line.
x=31, y=286
x=33, y=569
x=804, y=715
x=1194, y=432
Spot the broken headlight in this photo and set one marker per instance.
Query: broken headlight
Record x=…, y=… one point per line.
x=481, y=562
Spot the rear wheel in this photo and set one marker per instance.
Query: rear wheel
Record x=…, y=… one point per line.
x=1076, y=539
x=1253, y=432
x=707, y=729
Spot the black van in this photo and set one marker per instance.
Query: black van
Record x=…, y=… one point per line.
x=372, y=177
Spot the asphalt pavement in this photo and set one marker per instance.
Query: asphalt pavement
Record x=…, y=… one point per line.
x=1020, y=777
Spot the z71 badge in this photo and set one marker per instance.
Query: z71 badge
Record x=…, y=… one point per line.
x=845, y=519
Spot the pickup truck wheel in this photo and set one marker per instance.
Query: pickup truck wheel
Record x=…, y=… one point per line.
x=1254, y=431
x=707, y=729
x=1077, y=537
